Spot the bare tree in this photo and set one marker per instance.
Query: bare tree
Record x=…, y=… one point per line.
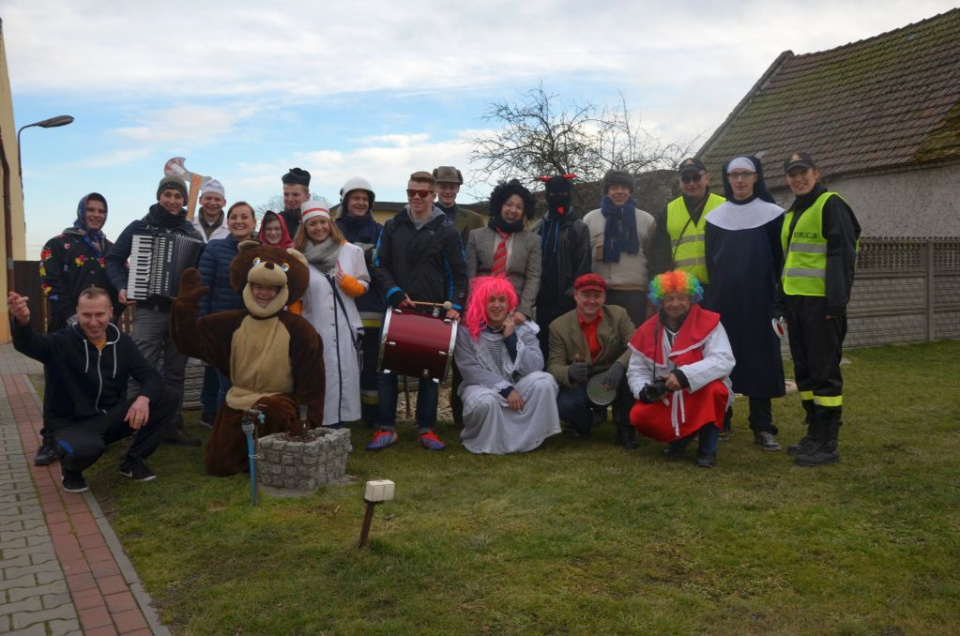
x=542, y=135
x=275, y=203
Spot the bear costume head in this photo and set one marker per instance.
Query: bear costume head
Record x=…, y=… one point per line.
x=272, y=267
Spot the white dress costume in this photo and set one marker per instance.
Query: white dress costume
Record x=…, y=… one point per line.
x=339, y=325
x=489, y=424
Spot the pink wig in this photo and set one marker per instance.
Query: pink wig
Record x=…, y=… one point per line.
x=482, y=289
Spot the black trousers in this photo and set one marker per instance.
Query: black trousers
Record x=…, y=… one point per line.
x=816, y=345
x=83, y=441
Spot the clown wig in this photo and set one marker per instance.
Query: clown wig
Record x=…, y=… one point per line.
x=677, y=281
x=482, y=289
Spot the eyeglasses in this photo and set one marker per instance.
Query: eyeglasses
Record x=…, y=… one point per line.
x=691, y=178
x=422, y=194
x=740, y=176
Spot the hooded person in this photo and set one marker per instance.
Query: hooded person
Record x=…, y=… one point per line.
x=76, y=259
x=564, y=253
x=744, y=257
x=620, y=240
x=356, y=222
x=273, y=231
x=151, y=322
x=510, y=403
x=296, y=190
x=678, y=372
x=69, y=263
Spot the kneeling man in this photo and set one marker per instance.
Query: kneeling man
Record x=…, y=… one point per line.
x=591, y=341
x=679, y=368
x=509, y=402
x=87, y=366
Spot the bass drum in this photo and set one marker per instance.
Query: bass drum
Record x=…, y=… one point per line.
x=417, y=345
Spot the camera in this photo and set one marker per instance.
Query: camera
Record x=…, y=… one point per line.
x=655, y=389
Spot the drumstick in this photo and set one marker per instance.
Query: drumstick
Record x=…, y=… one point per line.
x=447, y=306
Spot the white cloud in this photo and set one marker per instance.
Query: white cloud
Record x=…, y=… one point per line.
x=294, y=49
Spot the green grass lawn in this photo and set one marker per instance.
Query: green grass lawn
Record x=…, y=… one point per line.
x=583, y=537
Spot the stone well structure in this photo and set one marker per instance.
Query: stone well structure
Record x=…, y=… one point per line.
x=304, y=465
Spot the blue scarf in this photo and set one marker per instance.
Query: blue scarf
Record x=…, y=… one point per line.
x=620, y=232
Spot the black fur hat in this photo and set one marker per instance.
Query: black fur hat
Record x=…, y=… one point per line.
x=504, y=191
x=296, y=176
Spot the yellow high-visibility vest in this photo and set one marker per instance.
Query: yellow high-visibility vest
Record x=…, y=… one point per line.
x=686, y=237
x=805, y=266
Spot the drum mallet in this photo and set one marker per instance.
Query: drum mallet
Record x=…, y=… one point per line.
x=252, y=417
x=376, y=491
x=446, y=306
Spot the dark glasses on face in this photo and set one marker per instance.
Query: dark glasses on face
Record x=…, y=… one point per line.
x=691, y=178
x=422, y=194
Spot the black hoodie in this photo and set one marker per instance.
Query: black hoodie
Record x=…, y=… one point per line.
x=83, y=380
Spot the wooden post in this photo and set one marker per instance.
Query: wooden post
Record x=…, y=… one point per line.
x=367, y=520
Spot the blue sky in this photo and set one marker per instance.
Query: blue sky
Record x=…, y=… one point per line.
x=245, y=90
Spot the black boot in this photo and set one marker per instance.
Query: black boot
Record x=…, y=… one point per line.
x=825, y=450
x=626, y=435
x=807, y=440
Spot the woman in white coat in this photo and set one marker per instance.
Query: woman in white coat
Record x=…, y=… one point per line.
x=338, y=274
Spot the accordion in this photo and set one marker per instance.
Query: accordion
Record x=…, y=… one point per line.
x=156, y=262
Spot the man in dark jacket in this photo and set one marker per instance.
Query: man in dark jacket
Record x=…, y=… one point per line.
x=565, y=254
x=69, y=263
x=296, y=190
x=151, y=323
x=87, y=366
x=419, y=259
x=449, y=180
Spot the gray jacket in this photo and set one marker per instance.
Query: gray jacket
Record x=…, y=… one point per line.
x=523, y=263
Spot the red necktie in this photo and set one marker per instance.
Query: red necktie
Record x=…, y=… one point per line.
x=500, y=255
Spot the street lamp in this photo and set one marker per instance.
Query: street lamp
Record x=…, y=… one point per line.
x=53, y=122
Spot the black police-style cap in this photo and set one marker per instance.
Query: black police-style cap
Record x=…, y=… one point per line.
x=798, y=160
x=691, y=164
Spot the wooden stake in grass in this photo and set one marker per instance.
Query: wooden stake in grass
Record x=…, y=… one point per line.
x=376, y=491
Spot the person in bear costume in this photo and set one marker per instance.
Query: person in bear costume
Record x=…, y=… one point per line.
x=273, y=357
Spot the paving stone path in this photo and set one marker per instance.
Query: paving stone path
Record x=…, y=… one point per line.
x=62, y=568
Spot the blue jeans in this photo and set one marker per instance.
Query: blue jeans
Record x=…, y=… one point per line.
x=428, y=393
x=709, y=436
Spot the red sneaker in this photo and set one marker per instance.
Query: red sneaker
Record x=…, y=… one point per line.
x=430, y=441
x=382, y=439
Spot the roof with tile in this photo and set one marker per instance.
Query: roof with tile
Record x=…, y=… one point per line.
x=887, y=102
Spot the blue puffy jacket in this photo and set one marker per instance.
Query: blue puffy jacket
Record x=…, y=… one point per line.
x=215, y=273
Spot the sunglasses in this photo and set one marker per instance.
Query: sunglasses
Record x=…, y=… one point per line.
x=691, y=178
x=422, y=194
